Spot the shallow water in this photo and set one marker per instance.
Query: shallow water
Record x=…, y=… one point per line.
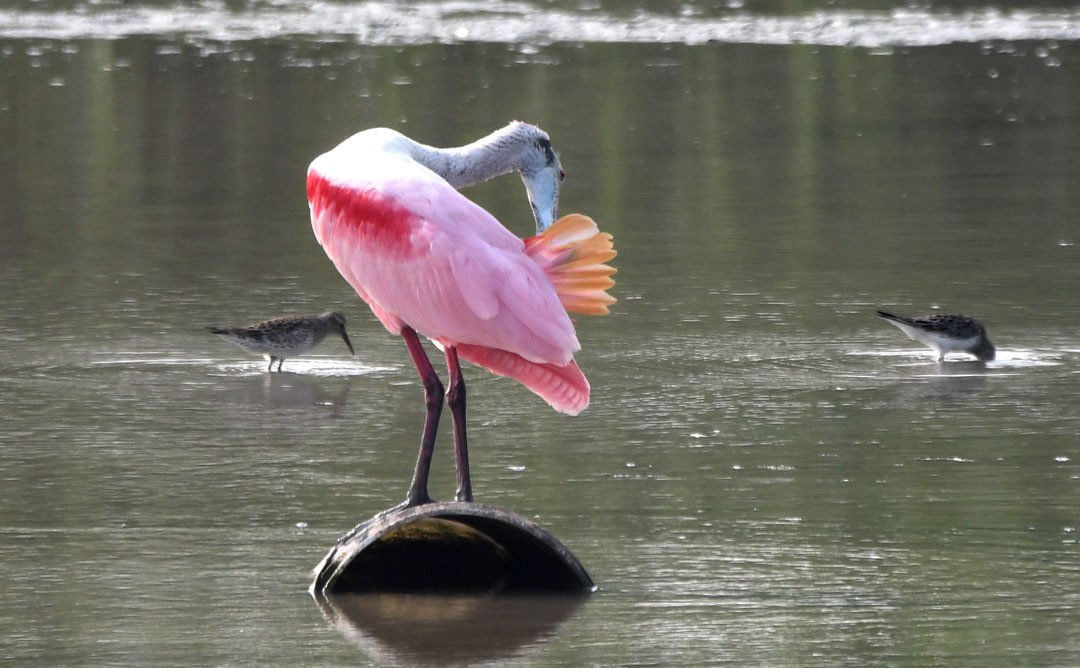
x=768, y=474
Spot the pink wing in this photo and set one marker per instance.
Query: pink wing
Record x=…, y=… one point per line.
x=420, y=253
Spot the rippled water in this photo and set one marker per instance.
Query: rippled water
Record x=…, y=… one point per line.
x=768, y=474
x=387, y=23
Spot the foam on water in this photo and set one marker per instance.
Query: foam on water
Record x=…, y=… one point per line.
x=310, y=365
x=386, y=23
x=1006, y=358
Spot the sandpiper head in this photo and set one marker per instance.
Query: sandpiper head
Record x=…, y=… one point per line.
x=337, y=324
x=984, y=351
x=542, y=174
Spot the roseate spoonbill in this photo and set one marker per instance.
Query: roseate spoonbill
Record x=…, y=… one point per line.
x=287, y=336
x=946, y=333
x=430, y=262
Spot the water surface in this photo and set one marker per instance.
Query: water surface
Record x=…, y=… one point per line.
x=768, y=474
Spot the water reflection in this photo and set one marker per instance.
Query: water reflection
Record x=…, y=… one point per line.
x=426, y=630
x=272, y=391
x=946, y=383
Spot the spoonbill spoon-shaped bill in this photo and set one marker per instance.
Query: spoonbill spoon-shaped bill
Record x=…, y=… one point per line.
x=429, y=262
x=288, y=336
x=946, y=333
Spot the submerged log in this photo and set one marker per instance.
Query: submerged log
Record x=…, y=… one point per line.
x=449, y=547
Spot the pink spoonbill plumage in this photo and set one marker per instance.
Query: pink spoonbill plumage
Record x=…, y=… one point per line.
x=429, y=262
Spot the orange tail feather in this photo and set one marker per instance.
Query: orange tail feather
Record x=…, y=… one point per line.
x=574, y=252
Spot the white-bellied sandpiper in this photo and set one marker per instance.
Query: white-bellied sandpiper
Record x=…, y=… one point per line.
x=946, y=333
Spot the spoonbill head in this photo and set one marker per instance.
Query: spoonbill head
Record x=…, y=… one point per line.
x=542, y=175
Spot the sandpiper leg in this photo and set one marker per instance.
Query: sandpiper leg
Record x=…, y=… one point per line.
x=455, y=397
x=433, y=398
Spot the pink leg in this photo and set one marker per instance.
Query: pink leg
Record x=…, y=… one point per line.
x=455, y=397
x=433, y=397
